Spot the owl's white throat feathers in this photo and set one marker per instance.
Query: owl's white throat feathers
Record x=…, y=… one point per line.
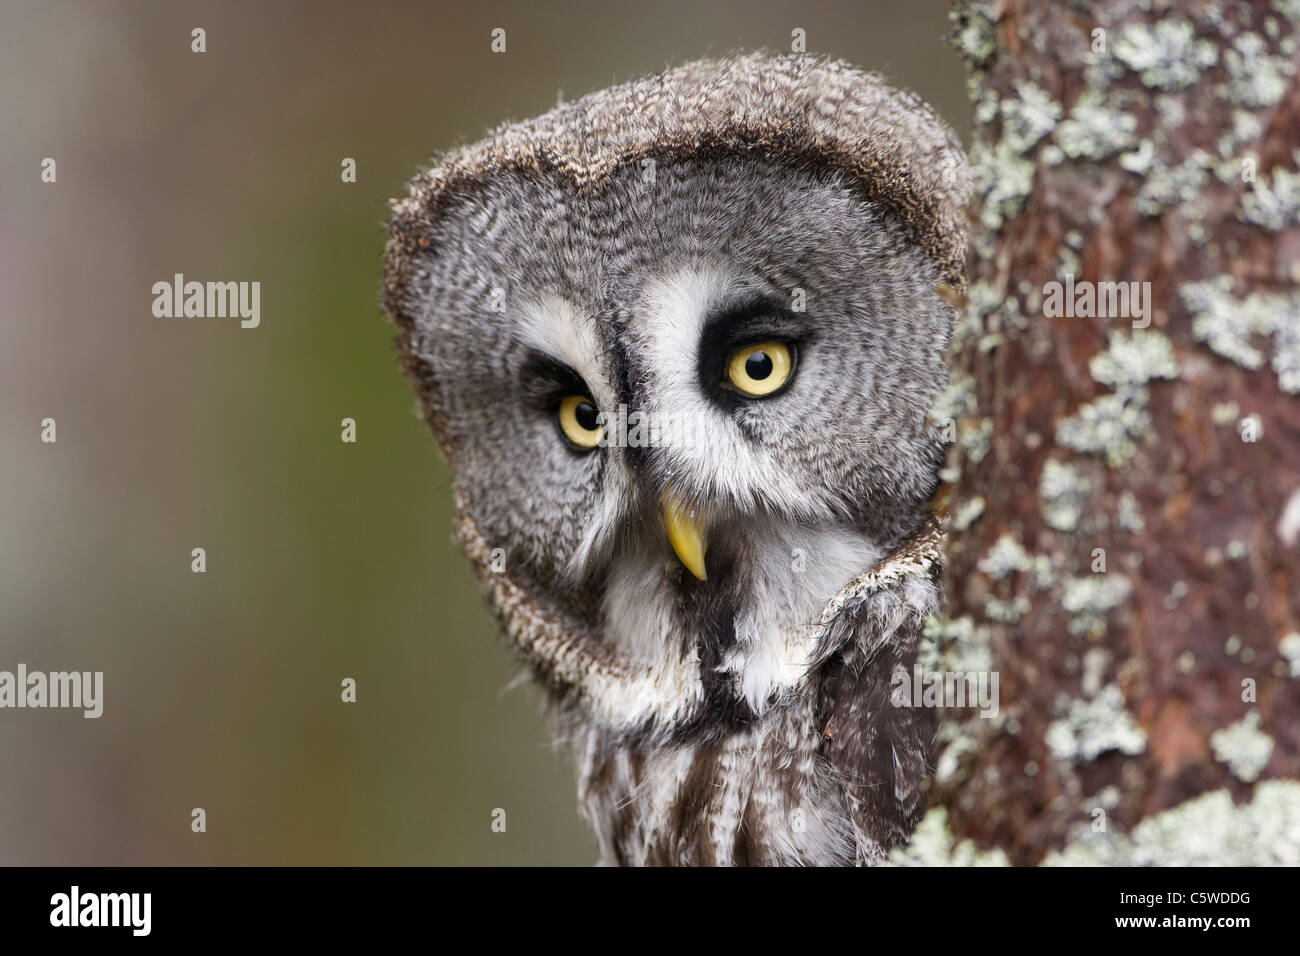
x=791, y=572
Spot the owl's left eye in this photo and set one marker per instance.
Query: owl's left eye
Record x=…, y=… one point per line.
x=579, y=421
x=760, y=370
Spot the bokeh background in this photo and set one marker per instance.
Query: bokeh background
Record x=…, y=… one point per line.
x=325, y=560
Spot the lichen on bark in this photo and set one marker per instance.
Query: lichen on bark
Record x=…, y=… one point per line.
x=1123, y=521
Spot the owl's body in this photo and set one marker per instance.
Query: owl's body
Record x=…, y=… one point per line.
x=734, y=264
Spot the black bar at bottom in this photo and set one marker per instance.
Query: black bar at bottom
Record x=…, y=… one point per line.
x=652, y=907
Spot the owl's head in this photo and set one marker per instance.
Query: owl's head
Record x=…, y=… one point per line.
x=650, y=322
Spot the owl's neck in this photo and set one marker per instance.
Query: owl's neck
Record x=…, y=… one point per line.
x=673, y=658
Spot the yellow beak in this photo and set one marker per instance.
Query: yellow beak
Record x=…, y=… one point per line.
x=685, y=527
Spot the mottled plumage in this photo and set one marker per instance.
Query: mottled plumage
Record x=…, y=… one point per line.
x=626, y=248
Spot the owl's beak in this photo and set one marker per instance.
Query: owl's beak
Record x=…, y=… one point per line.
x=685, y=527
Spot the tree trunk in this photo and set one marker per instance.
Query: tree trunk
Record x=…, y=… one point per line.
x=1124, y=550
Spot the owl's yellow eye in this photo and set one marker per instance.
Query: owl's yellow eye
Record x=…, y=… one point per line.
x=758, y=370
x=578, y=422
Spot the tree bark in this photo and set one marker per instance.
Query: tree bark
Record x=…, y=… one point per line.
x=1125, y=519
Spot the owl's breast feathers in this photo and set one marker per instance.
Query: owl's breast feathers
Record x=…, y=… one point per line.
x=832, y=774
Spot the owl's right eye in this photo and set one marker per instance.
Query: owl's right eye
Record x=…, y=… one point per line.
x=757, y=371
x=579, y=422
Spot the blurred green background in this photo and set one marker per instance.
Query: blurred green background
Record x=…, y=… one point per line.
x=325, y=560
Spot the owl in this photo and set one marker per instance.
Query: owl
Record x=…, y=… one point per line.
x=677, y=341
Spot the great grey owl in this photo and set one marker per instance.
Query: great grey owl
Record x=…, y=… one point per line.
x=677, y=341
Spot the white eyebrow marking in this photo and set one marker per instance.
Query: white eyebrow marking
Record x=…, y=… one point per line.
x=680, y=303
x=554, y=326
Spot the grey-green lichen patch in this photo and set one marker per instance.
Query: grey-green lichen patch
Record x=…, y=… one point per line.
x=1247, y=127
x=1243, y=747
x=984, y=244
x=1102, y=68
x=958, y=644
x=1216, y=16
x=1225, y=413
x=967, y=513
x=933, y=845
x=1003, y=180
x=1288, y=8
x=1274, y=203
x=1028, y=118
x=1172, y=110
x=1095, y=664
x=954, y=756
x=955, y=401
x=1132, y=360
x=1227, y=324
x=973, y=31
x=1107, y=426
x=1096, y=128
x=1107, y=797
x=1063, y=492
x=1130, y=514
x=1091, y=728
x=1139, y=161
x=1004, y=558
x=1090, y=598
x=1009, y=612
x=1208, y=830
x=982, y=300
x=1255, y=76
x=1219, y=320
x=930, y=646
x=966, y=648
x=976, y=436
x=1068, y=264
x=1167, y=186
x=984, y=102
x=1032, y=303
x=1290, y=650
x=1167, y=56
x=1041, y=573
